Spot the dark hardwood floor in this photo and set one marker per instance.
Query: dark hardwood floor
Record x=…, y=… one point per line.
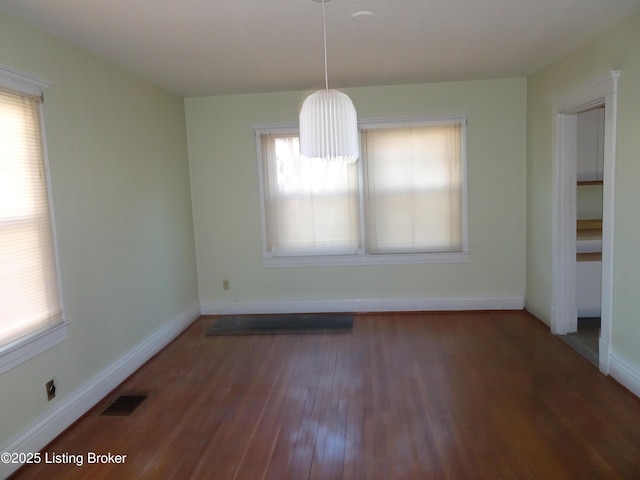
x=478, y=395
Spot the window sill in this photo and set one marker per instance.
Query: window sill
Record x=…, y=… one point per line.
x=389, y=259
x=14, y=355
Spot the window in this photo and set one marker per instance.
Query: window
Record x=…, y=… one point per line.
x=312, y=208
x=30, y=307
x=404, y=202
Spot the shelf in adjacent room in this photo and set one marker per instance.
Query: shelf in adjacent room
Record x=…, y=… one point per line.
x=589, y=182
x=589, y=240
x=589, y=257
x=590, y=224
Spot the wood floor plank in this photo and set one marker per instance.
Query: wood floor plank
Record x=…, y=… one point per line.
x=437, y=395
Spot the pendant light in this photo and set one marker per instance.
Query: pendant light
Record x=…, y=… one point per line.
x=328, y=121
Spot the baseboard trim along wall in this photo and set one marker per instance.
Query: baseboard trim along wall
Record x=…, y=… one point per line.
x=55, y=421
x=625, y=373
x=411, y=304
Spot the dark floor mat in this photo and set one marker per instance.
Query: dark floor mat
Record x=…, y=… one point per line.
x=290, y=324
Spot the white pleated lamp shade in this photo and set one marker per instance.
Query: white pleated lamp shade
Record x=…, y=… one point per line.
x=329, y=127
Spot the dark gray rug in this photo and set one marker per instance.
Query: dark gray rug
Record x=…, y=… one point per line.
x=288, y=324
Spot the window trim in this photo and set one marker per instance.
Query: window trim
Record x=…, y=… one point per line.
x=25, y=348
x=363, y=258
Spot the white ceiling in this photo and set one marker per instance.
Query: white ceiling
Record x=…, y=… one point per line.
x=210, y=47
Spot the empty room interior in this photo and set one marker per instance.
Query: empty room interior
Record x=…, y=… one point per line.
x=482, y=242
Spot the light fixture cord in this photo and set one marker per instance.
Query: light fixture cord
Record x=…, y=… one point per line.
x=324, y=32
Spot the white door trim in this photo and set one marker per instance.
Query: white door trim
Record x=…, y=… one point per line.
x=563, y=308
x=608, y=206
x=564, y=312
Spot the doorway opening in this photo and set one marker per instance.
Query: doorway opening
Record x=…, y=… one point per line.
x=589, y=210
x=583, y=234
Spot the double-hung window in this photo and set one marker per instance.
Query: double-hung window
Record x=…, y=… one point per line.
x=404, y=201
x=30, y=307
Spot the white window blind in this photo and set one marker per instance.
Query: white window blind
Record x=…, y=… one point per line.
x=413, y=189
x=311, y=208
x=402, y=202
x=30, y=300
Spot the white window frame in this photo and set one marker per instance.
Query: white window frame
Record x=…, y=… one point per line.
x=363, y=258
x=23, y=349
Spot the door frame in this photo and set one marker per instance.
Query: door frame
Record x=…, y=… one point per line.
x=602, y=91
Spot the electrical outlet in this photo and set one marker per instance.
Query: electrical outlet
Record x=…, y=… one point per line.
x=225, y=284
x=51, y=390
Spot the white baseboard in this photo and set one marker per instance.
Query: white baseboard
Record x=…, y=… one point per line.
x=49, y=426
x=410, y=304
x=625, y=373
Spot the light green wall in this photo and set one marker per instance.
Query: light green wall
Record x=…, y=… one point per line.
x=615, y=49
x=226, y=203
x=120, y=181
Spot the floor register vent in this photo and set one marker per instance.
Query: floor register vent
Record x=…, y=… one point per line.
x=124, y=405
